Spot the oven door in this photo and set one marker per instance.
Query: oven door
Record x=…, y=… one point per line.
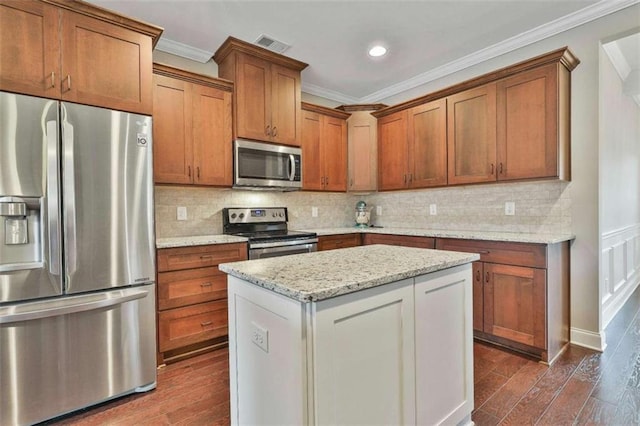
x=264, y=165
x=276, y=251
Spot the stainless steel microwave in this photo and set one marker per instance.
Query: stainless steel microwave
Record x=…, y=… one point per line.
x=262, y=165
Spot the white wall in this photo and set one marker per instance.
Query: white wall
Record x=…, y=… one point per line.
x=584, y=42
x=619, y=191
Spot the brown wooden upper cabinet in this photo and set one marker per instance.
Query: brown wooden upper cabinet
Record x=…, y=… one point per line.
x=412, y=147
x=324, y=148
x=267, y=93
x=76, y=52
x=511, y=124
x=471, y=132
x=192, y=128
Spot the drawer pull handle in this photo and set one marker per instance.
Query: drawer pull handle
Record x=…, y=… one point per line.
x=274, y=132
x=206, y=257
x=487, y=277
x=477, y=275
x=53, y=79
x=207, y=284
x=484, y=252
x=206, y=323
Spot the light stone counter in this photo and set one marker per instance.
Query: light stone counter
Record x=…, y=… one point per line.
x=200, y=240
x=322, y=275
x=516, y=237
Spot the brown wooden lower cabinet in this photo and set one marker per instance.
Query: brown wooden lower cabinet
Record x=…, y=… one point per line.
x=192, y=298
x=399, y=240
x=332, y=242
x=520, y=294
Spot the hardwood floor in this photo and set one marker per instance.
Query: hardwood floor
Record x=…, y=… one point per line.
x=582, y=387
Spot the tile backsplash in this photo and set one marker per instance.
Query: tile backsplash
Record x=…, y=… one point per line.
x=540, y=207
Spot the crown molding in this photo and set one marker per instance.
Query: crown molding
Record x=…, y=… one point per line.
x=312, y=89
x=183, y=50
x=580, y=17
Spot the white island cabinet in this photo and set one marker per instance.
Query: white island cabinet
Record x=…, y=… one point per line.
x=365, y=335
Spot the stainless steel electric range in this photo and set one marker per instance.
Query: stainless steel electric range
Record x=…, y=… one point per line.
x=267, y=231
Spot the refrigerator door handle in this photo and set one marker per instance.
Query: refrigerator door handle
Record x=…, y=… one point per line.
x=53, y=194
x=68, y=185
x=57, y=307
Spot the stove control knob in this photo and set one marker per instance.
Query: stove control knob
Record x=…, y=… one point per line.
x=241, y=215
x=233, y=215
x=281, y=214
x=273, y=214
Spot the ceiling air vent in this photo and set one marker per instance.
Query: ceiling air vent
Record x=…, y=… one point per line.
x=272, y=44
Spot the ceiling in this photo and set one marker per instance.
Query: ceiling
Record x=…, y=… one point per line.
x=425, y=39
x=624, y=53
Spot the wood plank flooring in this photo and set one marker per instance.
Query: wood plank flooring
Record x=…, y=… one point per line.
x=582, y=387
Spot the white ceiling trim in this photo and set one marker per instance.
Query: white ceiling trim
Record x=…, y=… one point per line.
x=312, y=89
x=183, y=50
x=588, y=14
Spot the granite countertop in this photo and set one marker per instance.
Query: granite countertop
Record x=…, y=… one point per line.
x=321, y=275
x=200, y=240
x=517, y=237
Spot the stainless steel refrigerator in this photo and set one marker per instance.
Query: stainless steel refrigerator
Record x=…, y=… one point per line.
x=77, y=269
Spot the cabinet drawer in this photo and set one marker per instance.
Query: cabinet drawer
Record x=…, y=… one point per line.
x=521, y=254
x=175, y=259
x=186, y=326
x=182, y=288
x=331, y=242
x=399, y=240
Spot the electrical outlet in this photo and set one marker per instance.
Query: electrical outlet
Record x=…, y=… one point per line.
x=182, y=213
x=433, y=209
x=260, y=336
x=509, y=208
x=314, y=212
x=378, y=210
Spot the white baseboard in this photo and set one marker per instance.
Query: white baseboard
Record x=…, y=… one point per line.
x=588, y=339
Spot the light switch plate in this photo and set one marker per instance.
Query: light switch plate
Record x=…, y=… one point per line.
x=378, y=210
x=181, y=213
x=509, y=208
x=314, y=212
x=433, y=209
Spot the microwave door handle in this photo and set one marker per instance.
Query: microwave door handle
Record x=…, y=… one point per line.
x=292, y=167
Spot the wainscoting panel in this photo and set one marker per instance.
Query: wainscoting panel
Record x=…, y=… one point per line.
x=620, y=269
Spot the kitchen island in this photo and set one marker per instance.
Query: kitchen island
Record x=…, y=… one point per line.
x=366, y=335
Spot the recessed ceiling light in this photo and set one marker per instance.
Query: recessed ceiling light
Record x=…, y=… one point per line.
x=378, y=50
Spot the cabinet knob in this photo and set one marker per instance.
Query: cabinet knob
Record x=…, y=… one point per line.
x=267, y=130
x=274, y=133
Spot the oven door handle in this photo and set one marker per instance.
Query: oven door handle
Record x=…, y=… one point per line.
x=283, y=244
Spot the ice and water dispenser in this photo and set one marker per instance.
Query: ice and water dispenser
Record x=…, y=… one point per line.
x=20, y=237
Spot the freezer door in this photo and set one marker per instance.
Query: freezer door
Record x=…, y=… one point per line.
x=107, y=195
x=30, y=261
x=66, y=353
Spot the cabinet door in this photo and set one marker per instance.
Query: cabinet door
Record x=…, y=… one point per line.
x=528, y=124
x=212, y=136
x=285, y=105
x=312, y=172
x=172, y=131
x=364, y=357
x=30, y=48
x=427, y=144
x=515, y=303
x=363, y=151
x=105, y=65
x=334, y=153
x=478, y=296
x=471, y=135
x=392, y=151
x=253, y=97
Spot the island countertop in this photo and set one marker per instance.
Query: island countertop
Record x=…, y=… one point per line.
x=321, y=275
